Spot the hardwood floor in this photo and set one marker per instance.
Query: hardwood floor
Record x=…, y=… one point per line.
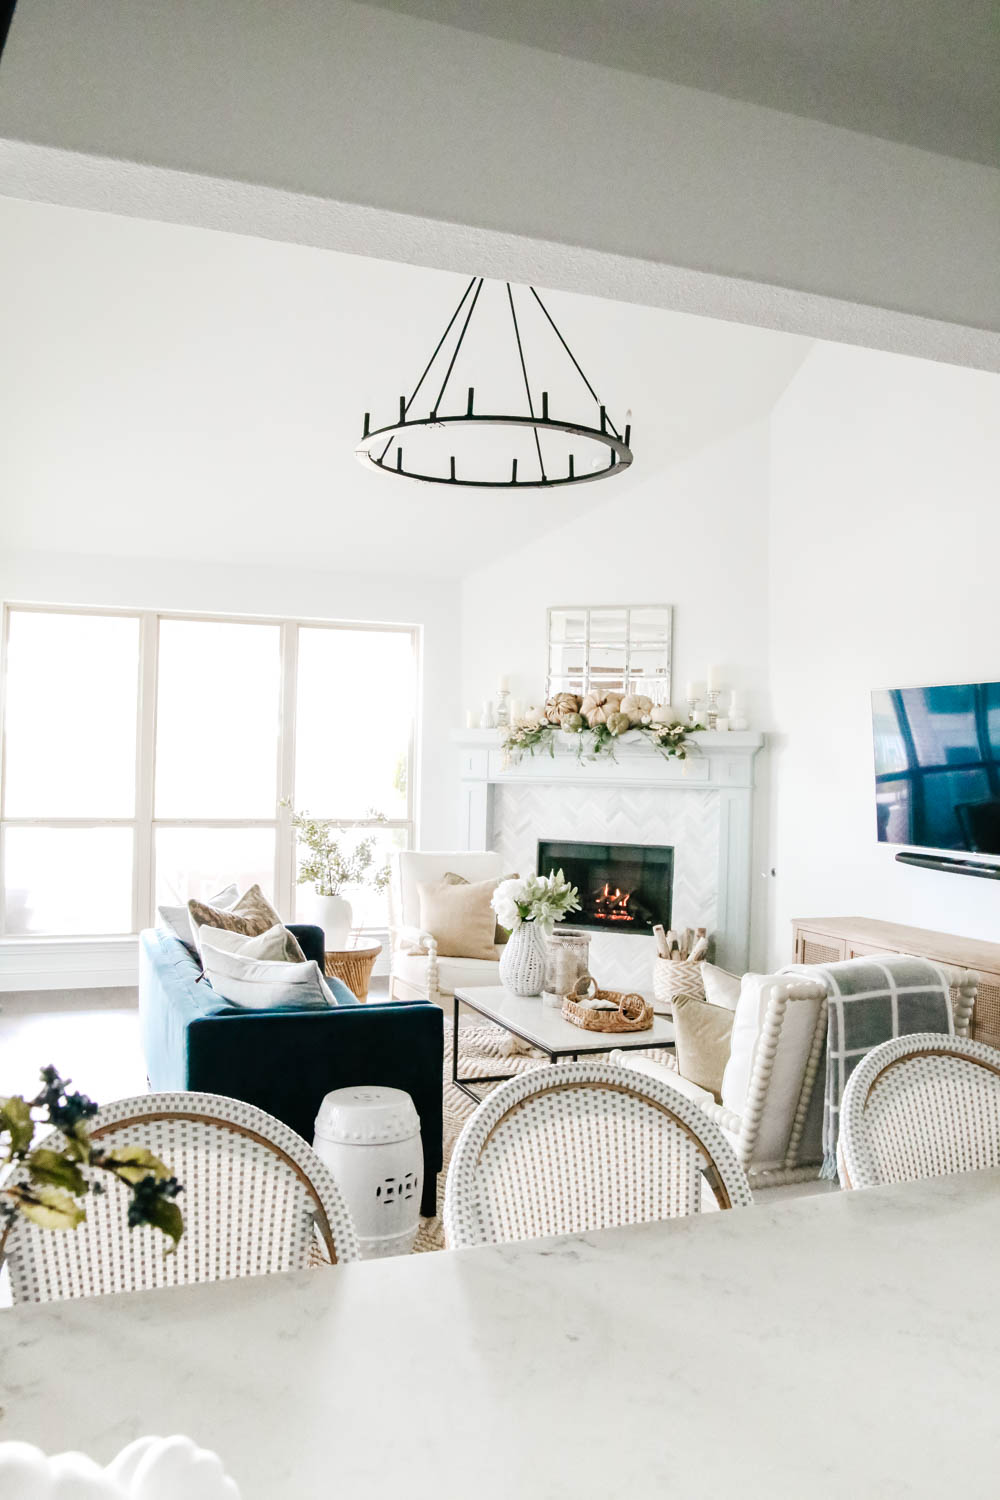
x=91, y=1036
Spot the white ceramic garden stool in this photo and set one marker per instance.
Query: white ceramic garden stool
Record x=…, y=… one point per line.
x=369, y=1137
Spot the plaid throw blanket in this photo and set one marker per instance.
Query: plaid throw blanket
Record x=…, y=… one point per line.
x=870, y=1001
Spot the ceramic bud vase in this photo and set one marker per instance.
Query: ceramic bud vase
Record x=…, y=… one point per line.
x=332, y=913
x=522, y=963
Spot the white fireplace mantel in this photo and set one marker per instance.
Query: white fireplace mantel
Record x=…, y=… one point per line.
x=721, y=765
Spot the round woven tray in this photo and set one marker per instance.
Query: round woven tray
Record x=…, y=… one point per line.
x=633, y=1013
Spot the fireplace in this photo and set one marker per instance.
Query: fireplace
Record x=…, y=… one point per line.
x=623, y=887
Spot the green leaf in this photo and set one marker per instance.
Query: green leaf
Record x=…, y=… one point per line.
x=165, y=1215
x=133, y=1163
x=57, y=1169
x=48, y=1207
x=15, y=1118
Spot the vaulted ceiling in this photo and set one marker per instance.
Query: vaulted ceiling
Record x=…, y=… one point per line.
x=177, y=392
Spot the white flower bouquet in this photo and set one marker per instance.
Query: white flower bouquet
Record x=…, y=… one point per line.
x=542, y=899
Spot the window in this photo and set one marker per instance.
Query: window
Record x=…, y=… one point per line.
x=146, y=757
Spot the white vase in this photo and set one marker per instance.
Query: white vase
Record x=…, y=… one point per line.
x=522, y=963
x=332, y=913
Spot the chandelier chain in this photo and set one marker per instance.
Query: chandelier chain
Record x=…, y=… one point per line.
x=461, y=336
x=427, y=366
x=527, y=386
x=572, y=356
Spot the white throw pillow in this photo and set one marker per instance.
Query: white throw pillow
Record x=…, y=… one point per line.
x=264, y=984
x=177, y=920
x=277, y=943
x=721, y=987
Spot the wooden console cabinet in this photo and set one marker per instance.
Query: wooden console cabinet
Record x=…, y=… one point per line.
x=824, y=940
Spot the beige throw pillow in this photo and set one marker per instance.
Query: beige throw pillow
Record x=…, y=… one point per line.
x=252, y=915
x=500, y=934
x=703, y=1034
x=460, y=917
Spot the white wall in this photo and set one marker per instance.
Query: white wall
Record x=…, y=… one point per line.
x=693, y=535
x=303, y=591
x=885, y=540
x=335, y=102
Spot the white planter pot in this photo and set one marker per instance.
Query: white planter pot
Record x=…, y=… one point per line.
x=332, y=913
x=522, y=963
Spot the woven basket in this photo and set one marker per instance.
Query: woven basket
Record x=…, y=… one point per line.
x=670, y=979
x=633, y=1013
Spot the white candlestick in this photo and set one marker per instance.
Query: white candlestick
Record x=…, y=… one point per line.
x=691, y=692
x=712, y=679
x=504, y=685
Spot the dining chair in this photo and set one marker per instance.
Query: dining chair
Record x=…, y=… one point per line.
x=581, y=1146
x=256, y=1199
x=918, y=1106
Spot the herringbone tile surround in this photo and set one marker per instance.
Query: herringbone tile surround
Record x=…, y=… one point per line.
x=687, y=819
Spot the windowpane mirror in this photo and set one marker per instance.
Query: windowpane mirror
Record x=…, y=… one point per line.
x=623, y=649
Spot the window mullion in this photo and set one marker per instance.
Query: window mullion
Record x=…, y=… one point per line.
x=284, y=875
x=142, y=870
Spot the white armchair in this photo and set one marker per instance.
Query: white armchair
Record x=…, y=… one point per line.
x=772, y=1101
x=417, y=972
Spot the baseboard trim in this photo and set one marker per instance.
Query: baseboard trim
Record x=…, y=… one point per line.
x=68, y=963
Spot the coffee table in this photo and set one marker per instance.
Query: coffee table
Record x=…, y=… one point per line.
x=543, y=1027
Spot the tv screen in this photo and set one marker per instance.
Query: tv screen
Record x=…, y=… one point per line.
x=937, y=766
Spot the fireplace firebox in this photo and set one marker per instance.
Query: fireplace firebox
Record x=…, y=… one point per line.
x=623, y=887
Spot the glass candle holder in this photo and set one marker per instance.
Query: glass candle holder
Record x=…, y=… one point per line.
x=567, y=959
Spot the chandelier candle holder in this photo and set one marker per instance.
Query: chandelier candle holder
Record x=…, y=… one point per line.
x=376, y=442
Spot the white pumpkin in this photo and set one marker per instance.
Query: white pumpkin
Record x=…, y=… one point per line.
x=662, y=713
x=154, y=1468
x=151, y=1468
x=26, y=1473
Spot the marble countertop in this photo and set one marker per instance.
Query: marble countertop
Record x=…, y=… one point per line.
x=818, y=1348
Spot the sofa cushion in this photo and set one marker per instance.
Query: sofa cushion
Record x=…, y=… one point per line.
x=252, y=915
x=453, y=973
x=500, y=934
x=262, y=984
x=460, y=917
x=664, y=1074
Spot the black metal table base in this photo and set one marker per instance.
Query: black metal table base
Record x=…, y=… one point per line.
x=619, y=1044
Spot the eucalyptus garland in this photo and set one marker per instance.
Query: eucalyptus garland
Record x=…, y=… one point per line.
x=592, y=741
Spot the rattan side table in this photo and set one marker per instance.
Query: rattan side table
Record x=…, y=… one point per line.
x=353, y=965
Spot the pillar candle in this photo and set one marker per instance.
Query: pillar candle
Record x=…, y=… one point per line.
x=471, y=719
x=712, y=679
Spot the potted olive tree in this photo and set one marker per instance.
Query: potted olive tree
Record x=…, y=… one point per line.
x=327, y=868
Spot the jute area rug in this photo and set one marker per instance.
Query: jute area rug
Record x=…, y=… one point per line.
x=482, y=1050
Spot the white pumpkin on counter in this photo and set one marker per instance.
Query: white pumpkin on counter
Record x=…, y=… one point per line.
x=151, y=1468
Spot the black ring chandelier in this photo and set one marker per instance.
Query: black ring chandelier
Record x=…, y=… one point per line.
x=373, y=450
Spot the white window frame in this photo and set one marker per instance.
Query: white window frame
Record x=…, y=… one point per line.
x=144, y=824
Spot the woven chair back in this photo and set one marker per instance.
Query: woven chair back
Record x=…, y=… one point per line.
x=920, y=1106
x=256, y=1199
x=583, y=1146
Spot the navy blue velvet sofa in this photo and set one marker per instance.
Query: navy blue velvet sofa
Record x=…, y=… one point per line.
x=284, y=1061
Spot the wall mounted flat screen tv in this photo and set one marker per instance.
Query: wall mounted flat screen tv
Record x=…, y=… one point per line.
x=937, y=766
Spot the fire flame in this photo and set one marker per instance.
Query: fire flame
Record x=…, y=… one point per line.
x=612, y=905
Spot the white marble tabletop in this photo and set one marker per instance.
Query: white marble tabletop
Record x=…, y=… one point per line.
x=544, y=1026
x=844, y=1347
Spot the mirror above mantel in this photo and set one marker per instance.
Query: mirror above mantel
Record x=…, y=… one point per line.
x=611, y=648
